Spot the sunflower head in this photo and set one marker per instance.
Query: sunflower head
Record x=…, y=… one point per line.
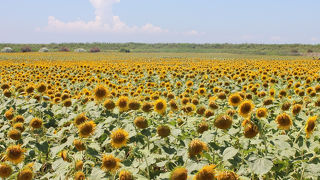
x=134, y=105
x=223, y=122
x=25, y=174
x=15, y=154
x=296, y=109
x=86, y=129
x=100, y=92
x=9, y=114
x=79, y=175
x=250, y=129
x=14, y=134
x=202, y=127
x=119, y=138
x=79, y=145
x=261, y=112
x=141, y=122
x=245, y=108
x=207, y=172
x=19, y=126
x=5, y=170
x=160, y=106
x=196, y=147
x=146, y=107
x=235, y=99
x=79, y=165
x=81, y=118
x=179, y=173
x=125, y=175
x=227, y=175
x=122, y=103
x=110, y=163
x=284, y=121
x=109, y=104
x=163, y=131
x=36, y=123
x=208, y=113
x=310, y=126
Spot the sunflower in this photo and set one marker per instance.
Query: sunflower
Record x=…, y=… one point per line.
x=109, y=104
x=25, y=174
x=160, y=106
x=141, y=122
x=146, y=107
x=15, y=154
x=134, y=105
x=79, y=165
x=179, y=173
x=86, y=129
x=250, y=129
x=5, y=170
x=81, y=118
x=125, y=175
x=284, y=121
x=206, y=173
x=310, y=126
x=245, y=108
x=227, y=175
x=100, y=92
x=223, y=122
x=163, y=131
x=261, y=112
x=296, y=109
x=79, y=175
x=14, y=134
x=122, y=103
x=9, y=114
x=110, y=163
x=36, y=123
x=79, y=145
x=202, y=91
x=234, y=99
x=202, y=127
x=19, y=126
x=64, y=155
x=196, y=147
x=119, y=138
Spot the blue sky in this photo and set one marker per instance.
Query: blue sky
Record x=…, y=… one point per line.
x=195, y=21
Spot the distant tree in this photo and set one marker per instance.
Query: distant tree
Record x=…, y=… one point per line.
x=123, y=50
x=64, y=49
x=26, y=49
x=94, y=50
x=294, y=51
x=310, y=51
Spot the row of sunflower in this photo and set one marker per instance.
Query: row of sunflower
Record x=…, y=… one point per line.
x=141, y=119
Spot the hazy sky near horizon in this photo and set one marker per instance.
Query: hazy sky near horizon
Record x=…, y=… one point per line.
x=152, y=21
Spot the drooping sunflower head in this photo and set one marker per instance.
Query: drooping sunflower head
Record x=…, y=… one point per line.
x=196, y=147
x=79, y=145
x=146, y=107
x=110, y=163
x=141, y=122
x=79, y=175
x=245, y=108
x=310, y=126
x=227, y=175
x=5, y=170
x=100, y=92
x=163, y=131
x=18, y=119
x=119, y=138
x=261, y=112
x=125, y=175
x=134, y=105
x=109, y=104
x=14, y=134
x=206, y=173
x=250, y=129
x=202, y=127
x=9, y=114
x=179, y=173
x=36, y=123
x=122, y=103
x=296, y=109
x=25, y=174
x=235, y=99
x=19, y=126
x=284, y=121
x=86, y=129
x=15, y=154
x=79, y=165
x=81, y=118
x=223, y=122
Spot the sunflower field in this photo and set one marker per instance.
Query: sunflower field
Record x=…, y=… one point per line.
x=107, y=116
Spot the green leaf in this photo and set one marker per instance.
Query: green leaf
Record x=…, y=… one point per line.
x=229, y=153
x=261, y=166
x=97, y=173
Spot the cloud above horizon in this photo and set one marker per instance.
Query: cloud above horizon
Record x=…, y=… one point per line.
x=105, y=22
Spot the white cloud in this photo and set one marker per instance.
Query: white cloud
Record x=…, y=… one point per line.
x=104, y=21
